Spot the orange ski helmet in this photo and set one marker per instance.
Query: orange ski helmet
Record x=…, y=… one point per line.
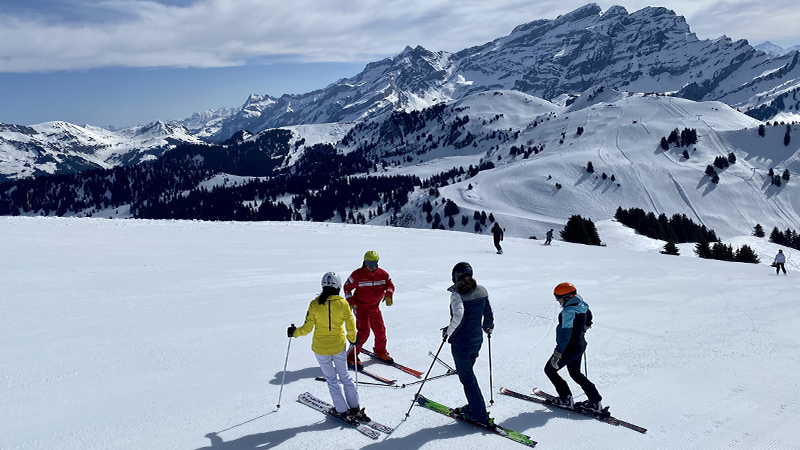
x=564, y=291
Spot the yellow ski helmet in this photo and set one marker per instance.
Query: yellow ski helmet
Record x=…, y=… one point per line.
x=371, y=255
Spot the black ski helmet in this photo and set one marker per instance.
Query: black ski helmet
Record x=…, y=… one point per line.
x=461, y=270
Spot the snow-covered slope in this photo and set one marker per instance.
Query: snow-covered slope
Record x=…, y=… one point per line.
x=619, y=133
x=171, y=335
x=54, y=147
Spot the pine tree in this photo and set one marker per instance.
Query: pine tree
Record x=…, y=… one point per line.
x=761, y=130
x=702, y=249
x=580, y=231
x=670, y=249
x=758, y=231
x=746, y=254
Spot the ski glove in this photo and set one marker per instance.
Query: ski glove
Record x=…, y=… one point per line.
x=555, y=359
x=488, y=331
x=444, y=333
x=290, y=331
x=388, y=300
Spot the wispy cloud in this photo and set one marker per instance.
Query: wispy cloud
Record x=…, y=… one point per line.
x=218, y=33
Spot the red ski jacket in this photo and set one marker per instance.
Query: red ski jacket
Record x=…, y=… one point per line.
x=365, y=288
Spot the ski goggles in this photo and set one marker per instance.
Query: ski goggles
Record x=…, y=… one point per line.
x=371, y=264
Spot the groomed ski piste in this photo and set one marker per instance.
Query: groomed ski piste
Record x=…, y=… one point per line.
x=129, y=334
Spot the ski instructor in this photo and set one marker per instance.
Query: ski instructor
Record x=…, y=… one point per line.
x=365, y=289
x=470, y=314
x=573, y=321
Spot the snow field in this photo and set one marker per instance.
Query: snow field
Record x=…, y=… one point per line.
x=144, y=334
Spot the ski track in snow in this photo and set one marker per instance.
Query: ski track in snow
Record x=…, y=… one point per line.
x=132, y=334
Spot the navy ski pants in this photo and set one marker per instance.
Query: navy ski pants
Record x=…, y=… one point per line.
x=464, y=358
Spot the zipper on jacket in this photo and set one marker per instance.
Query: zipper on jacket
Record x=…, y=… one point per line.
x=329, y=316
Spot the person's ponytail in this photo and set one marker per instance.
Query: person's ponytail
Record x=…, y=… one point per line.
x=327, y=291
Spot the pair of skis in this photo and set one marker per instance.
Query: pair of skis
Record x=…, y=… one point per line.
x=498, y=430
x=543, y=398
x=387, y=383
x=370, y=429
x=385, y=380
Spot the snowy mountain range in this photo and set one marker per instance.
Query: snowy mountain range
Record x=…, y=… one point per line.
x=528, y=113
x=55, y=147
x=650, y=50
x=772, y=49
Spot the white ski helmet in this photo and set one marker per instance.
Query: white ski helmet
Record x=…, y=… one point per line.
x=332, y=279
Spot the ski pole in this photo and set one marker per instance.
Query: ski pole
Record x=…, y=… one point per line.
x=439, y=360
x=491, y=391
x=585, y=364
x=444, y=339
x=355, y=360
x=286, y=363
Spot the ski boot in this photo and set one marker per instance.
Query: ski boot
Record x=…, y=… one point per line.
x=383, y=356
x=359, y=414
x=592, y=407
x=346, y=416
x=563, y=402
x=351, y=360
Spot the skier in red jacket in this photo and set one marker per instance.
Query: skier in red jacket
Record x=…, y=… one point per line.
x=365, y=289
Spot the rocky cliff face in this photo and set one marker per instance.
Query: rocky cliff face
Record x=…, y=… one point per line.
x=650, y=50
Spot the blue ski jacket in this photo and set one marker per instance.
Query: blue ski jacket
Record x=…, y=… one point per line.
x=573, y=320
x=469, y=315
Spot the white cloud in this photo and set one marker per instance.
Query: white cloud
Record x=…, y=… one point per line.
x=215, y=33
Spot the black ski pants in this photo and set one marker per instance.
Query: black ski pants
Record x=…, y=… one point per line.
x=572, y=360
x=778, y=267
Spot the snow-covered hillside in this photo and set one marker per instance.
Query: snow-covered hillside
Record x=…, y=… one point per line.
x=53, y=147
x=131, y=334
x=620, y=134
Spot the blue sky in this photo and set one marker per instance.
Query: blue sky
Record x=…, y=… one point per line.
x=127, y=62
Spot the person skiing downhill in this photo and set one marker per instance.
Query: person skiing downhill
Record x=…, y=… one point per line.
x=780, y=263
x=549, y=237
x=573, y=321
x=470, y=312
x=497, y=234
x=365, y=289
x=327, y=315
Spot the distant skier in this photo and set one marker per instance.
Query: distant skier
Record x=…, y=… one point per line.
x=365, y=289
x=327, y=315
x=549, y=237
x=573, y=321
x=497, y=234
x=780, y=261
x=470, y=312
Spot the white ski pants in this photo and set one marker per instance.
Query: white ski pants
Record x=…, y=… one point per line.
x=333, y=366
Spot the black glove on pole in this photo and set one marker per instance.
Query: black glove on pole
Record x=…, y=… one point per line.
x=286, y=363
x=444, y=339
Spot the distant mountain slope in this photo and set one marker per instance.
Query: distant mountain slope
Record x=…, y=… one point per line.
x=58, y=147
x=650, y=50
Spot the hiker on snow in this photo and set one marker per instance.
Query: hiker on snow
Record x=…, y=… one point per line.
x=470, y=314
x=326, y=316
x=497, y=234
x=365, y=289
x=780, y=261
x=573, y=321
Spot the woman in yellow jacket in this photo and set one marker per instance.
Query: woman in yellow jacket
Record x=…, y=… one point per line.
x=326, y=316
